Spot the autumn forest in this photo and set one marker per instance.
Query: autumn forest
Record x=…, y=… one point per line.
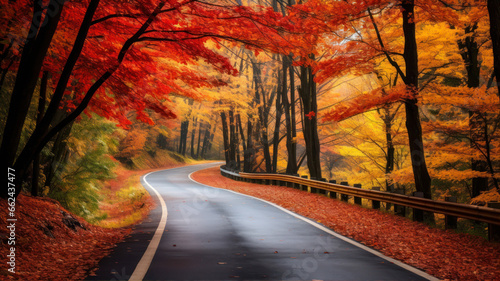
x=401, y=95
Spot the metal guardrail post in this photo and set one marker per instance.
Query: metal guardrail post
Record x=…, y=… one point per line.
x=357, y=200
x=280, y=183
x=418, y=215
x=450, y=222
x=313, y=189
x=398, y=209
x=494, y=229
x=344, y=197
x=332, y=194
x=289, y=184
x=375, y=203
x=322, y=191
x=304, y=187
x=296, y=185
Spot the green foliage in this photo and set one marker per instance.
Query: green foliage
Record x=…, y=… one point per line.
x=5, y=93
x=87, y=167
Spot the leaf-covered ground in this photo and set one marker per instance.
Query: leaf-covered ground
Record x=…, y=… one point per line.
x=67, y=255
x=444, y=254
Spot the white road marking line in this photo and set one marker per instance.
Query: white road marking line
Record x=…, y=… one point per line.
x=143, y=265
x=331, y=232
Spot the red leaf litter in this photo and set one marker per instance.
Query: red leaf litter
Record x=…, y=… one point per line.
x=441, y=253
x=67, y=255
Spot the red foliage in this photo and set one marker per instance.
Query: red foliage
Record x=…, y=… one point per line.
x=69, y=255
x=444, y=254
x=366, y=102
x=310, y=115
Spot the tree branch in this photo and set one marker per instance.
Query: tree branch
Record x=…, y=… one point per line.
x=391, y=61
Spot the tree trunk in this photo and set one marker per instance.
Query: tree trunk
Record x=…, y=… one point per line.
x=4, y=75
x=469, y=51
x=232, y=140
x=263, y=109
x=494, y=12
x=42, y=134
x=291, y=131
x=206, y=139
x=193, y=135
x=198, y=147
x=389, y=165
x=248, y=153
x=421, y=175
x=310, y=126
x=41, y=109
x=34, y=51
x=59, y=155
x=207, y=142
x=179, y=147
x=183, y=137
x=184, y=132
x=225, y=136
x=242, y=134
x=237, y=143
x=279, y=111
x=212, y=135
x=292, y=167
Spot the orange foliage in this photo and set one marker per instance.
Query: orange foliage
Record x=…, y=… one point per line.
x=368, y=101
x=132, y=144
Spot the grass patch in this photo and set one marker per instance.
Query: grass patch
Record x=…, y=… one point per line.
x=125, y=201
x=161, y=159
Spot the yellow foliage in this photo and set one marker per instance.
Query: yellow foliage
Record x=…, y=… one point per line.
x=485, y=197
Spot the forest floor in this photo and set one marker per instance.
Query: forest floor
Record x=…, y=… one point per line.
x=444, y=254
x=47, y=249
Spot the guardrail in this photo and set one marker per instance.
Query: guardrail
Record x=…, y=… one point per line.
x=449, y=209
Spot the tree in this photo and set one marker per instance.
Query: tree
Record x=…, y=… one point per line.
x=470, y=50
x=494, y=12
x=141, y=41
x=307, y=94
x=410, y=78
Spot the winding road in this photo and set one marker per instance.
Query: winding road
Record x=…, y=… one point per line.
x=199, y=232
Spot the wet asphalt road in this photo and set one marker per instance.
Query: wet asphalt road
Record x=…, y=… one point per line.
x=214, y=234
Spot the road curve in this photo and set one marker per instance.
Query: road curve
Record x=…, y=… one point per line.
x=205, y=233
